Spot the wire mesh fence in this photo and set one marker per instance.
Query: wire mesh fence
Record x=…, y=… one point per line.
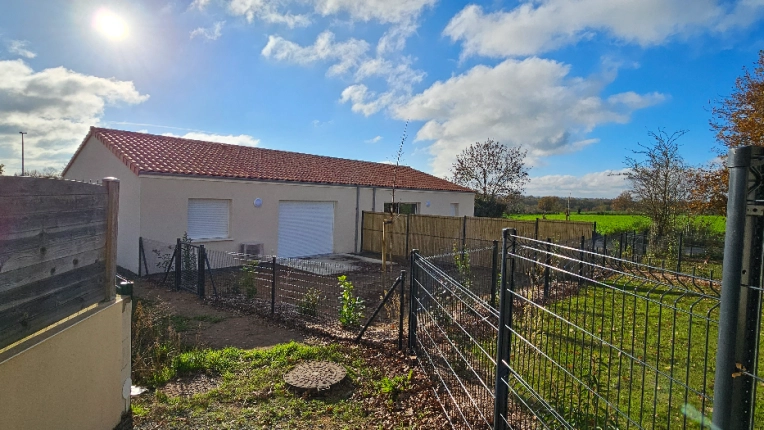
x=455, y=335
x=305, y=289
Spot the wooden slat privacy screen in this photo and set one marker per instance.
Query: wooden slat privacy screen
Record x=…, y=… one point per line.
x=54, y=259
x=432, y=234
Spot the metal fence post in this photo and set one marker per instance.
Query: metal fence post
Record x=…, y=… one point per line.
x=140, y=254
x=274, y=273
x=402, y=310
x=581, y=262
x=536, y=230
x=494, y=271
x=202, y=259
x=503, y=346
x=413, y=301
x=734, y=388
x=178, y=269
x=679, y=253
x=548, y=262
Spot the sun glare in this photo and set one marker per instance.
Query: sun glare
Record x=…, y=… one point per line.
x=109, y=24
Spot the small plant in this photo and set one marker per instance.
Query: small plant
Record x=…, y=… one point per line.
x=155, y=341
x=462, y=261
x=351, y=307
x=188, y=254
x=308, y=305
x=248, y=280
x=396, y=385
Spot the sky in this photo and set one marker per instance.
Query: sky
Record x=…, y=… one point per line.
x=576, y=83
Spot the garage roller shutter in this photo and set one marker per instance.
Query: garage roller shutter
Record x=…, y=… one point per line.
x=306, y=228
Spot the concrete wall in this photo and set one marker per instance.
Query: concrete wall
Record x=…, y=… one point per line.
x=72, y=379
x=164, y=207
x=95, y=162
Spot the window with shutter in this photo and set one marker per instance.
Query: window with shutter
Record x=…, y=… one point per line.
x=208, y=218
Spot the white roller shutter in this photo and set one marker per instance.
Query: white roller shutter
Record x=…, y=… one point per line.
x=306, y=228
x=208, y=218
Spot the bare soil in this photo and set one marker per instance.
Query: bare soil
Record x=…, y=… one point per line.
x=217, y=328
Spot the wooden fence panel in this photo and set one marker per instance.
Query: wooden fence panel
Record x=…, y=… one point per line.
x=53, y=256
x=433, y=234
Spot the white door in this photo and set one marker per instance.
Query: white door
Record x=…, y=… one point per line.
x=306, y=228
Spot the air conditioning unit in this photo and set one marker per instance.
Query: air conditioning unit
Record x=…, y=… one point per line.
x=254, y=249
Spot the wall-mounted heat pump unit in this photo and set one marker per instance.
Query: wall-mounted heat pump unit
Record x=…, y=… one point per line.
x=255, y=249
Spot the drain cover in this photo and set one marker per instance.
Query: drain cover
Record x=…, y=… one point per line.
x=319, y=375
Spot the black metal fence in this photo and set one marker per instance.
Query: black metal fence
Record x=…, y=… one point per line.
x=580, y=339
x=304, y=289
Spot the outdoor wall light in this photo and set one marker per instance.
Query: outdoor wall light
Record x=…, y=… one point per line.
x=258, y=203
x=427, y=203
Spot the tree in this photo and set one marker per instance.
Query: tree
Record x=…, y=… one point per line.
x=1, y=168
x=737, y=120
x=623, y=203
x=660, y=182
x=496, y=172
x=549, y=204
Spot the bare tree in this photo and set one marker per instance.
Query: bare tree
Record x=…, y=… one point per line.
x=624, y=202
x=660, y=182
x=496, y=172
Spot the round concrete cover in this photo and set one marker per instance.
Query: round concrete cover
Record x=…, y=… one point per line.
x=320, y=375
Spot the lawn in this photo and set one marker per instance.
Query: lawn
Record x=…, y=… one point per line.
x=625, y=353
x=235, y=388
x=617, y=223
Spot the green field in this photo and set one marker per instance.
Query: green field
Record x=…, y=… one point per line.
x=617, y=223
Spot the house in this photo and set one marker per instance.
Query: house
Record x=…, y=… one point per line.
x=223, y=196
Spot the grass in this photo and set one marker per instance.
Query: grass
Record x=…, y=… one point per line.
x=253, y=394
x=182, y=323
x=617, y=223
x=626, y=353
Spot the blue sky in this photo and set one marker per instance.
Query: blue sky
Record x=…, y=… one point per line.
x=578, y=83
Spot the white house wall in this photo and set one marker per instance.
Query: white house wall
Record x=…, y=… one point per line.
x=164, y=208
x=95, y=162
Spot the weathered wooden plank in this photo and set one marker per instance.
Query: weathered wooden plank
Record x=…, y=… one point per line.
x=24, y=186
x=34, y=315
x=48, y=238
x=42, y=248
x=17, y=296
x=37, y=222
x=13, y=279
x=19, y=205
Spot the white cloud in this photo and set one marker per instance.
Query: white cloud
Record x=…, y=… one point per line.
x=19, y=47
x=56, y=107
x=385, y=11
x=199, y=4
x=606, y=184
x=211, y=33
x=242, y=139
x=532, y=102
x=374, y=139
x=346, y=54
x=537, y=26
x=267, y=11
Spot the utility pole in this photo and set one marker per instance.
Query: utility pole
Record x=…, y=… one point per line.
x=22, y=152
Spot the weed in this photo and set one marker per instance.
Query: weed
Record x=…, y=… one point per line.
x=395, y=386
x=308, y=305
x=155, y=342
x=248, y=280
x=351, y=307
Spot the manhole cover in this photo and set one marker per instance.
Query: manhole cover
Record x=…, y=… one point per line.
x=315, y=374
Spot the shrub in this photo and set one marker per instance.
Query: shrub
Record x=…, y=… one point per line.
x=351, y=307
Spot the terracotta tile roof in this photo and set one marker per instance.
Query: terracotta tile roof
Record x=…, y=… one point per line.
x=151, y=154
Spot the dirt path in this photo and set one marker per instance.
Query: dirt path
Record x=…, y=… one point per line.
x=207, y=326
